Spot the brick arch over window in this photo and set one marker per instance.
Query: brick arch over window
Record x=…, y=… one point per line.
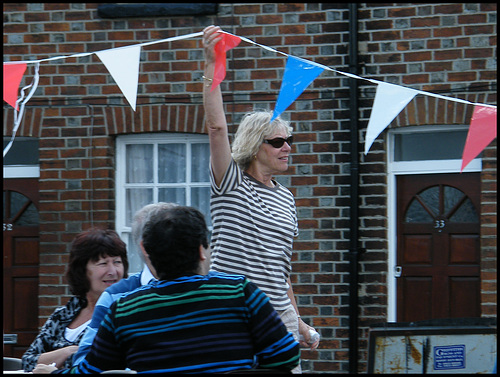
x=174, y=117
x=31, y=124
x=427, y=110
x=42, y=122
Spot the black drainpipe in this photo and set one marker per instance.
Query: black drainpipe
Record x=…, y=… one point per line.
x=354, y=250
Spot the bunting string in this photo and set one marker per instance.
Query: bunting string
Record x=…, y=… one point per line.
x=80, y=55
x=376, y=82
x=390, y=99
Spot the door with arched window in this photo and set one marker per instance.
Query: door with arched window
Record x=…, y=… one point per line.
x=438, y=249
x=20, y=264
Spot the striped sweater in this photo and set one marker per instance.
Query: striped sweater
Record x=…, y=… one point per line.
x=195, y=324
x=253, y=230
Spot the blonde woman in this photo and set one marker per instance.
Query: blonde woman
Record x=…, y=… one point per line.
x=254, y=217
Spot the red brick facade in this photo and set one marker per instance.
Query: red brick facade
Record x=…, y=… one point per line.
x=78, y=111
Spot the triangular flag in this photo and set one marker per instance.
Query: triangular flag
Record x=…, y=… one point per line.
x=123, y=64
x=12, y=76
x=299, y=73
x=482, y=131
x=390, y=99
x=227, y=42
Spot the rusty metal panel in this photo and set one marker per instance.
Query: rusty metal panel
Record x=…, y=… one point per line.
x=432, y=350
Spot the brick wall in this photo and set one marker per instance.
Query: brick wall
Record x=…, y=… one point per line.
x=78, y=111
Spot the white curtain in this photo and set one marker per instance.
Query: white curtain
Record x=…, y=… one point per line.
x=174, y=172
x=139, y=171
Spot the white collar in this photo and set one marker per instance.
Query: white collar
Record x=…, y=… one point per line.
x=146, y=275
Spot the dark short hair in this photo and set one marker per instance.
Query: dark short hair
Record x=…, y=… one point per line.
x=172, y=239
x=90, y=245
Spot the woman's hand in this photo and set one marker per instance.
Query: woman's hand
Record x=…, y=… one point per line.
x=44, y=369
x=211, y=36
x=304, y=331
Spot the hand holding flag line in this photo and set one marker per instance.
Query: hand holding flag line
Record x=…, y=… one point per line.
x=123, y=65
x=227, y=42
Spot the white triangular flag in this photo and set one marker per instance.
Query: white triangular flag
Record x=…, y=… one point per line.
x=123, y=64
x=390, y=99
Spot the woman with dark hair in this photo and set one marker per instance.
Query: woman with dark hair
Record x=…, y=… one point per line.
x=98, y=259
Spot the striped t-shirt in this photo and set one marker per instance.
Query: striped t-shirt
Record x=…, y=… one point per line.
x=253, y=230
x=194, y=324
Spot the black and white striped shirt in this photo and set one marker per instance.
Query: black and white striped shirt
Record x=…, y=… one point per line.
x=253, y=230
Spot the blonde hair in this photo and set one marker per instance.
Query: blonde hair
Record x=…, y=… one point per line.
x=253, y=129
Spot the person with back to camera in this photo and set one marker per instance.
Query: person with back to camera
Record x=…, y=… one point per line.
x=190, y=320
x=97, y=259
x=114, y=292
x=254, y=217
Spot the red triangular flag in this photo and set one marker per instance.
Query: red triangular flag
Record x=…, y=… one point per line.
x=227, y=42
x=482, y=131
x=12, y=76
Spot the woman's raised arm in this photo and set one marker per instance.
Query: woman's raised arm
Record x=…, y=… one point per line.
x=220, y=149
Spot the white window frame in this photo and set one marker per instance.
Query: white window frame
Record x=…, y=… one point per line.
x=21, y=171
x=395, y=168
x=120, y=199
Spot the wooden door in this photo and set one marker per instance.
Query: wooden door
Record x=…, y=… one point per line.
x=438, y=250
x=20, y=264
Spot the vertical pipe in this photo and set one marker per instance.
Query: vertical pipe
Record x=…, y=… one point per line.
x=354, y=197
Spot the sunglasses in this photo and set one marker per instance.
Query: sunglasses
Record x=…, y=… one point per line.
x=279, y=141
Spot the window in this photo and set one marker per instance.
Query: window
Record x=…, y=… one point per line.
x=24, y=151
x=22, y=160
x=419, y=146
x=441, y=202
x=431, y=149
x=159, y=168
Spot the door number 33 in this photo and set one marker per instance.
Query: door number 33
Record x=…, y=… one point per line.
x=439, y=224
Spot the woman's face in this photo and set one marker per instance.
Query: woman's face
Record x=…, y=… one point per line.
x=274, y=160
x=103, y=273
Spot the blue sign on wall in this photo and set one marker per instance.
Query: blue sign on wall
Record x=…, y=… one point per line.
x=449, y=357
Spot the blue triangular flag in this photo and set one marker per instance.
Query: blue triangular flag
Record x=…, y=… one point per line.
x=299, y=73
